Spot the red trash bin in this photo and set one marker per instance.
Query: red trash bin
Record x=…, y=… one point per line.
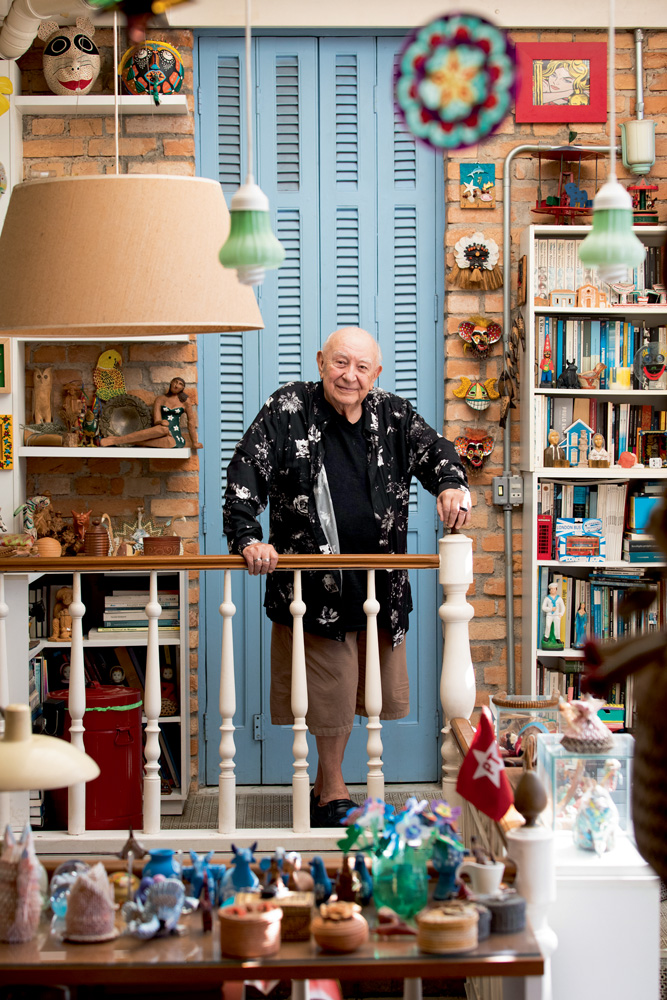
x=113, y=738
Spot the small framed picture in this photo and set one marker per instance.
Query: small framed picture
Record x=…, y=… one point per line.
x=5, y=365
x=653, y=449
x=521, y=282
x=562, y=82
x=6, y=442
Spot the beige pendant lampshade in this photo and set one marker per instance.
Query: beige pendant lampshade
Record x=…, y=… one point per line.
x=119, y=256
x=31, y=761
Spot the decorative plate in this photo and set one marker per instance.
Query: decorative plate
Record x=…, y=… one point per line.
x=454, y=80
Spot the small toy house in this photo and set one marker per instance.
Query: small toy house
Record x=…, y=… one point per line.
x=588, y=297
x=577, y=443
x=561, y=297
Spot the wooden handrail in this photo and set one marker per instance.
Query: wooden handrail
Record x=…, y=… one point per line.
x=101, y=564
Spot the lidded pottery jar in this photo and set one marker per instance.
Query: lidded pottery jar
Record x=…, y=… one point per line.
x=251, y=930
x=340, y=927
x=47, y=547
x=96, y=540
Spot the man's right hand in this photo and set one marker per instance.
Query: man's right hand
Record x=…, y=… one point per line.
x=260, y=558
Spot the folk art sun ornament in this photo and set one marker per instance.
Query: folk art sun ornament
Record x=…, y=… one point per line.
x=477, y=268
x=474, y=446
x=480, y=335
x=476, y=393
x=454, y=80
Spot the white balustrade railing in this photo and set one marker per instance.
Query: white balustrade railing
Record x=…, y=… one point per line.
x=457, y=690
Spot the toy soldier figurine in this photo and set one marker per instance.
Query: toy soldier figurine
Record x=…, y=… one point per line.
x=546, y=364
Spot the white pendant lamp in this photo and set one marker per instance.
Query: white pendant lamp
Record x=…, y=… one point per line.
x=28, y=761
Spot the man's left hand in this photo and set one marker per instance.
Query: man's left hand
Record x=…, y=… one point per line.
x=455, y=508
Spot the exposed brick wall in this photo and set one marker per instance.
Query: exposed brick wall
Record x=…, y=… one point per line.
x=487, y=595
x=165, y=144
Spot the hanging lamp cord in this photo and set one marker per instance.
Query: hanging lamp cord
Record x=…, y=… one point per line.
x=248, y=99
x=115, y=82
x=611, y=92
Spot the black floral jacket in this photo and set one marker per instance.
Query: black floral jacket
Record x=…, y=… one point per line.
x=281, y=459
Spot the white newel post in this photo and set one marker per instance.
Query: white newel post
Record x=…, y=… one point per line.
x=457, y=680
x=300, y=779
x=373, y=692
x=76, y=796
x=532, y=849
x=152, y=707
x=227, y=779
x=4, y=693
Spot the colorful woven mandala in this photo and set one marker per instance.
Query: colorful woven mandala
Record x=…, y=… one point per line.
x=454, y=80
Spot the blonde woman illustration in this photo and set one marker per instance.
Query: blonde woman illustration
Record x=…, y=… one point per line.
x=561, y=81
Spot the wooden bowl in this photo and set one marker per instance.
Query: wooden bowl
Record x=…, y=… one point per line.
x=340, y=935
x=162, y=545
x=48, y=548
x=252, y=934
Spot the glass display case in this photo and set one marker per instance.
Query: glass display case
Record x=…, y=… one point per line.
x=567, y=776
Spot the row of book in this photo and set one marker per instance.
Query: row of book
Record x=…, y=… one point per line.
x=596, y=608
x=587, y=342
x=606, y=501
x=563, y=677
x=621, y=424
x=557, y=266
x=125, y=611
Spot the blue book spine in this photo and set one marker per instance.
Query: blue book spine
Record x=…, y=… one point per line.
x=597, y=612
x=559, y=347
x=604, y=377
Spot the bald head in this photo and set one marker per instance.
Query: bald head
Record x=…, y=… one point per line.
x=349, y=363
x=353, y=335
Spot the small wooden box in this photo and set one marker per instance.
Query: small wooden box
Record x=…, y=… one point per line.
x=297, y=910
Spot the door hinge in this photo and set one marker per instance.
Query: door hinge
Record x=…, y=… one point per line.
x=438, y=727
x=199, y=96
x=258, y=727
x=205, y=733
x=436, y=308
x=202, y=517
x=375, y=99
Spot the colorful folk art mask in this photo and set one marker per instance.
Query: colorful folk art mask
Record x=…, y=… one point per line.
x=477, y=394
x=473, y=447
x=152, y=68
x=71, y=59
x=649, y=362
x=480, y=335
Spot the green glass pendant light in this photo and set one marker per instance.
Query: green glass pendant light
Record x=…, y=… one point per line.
x=612, y=247
x=251, y=247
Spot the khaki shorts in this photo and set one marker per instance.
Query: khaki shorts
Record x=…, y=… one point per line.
x=335, y=674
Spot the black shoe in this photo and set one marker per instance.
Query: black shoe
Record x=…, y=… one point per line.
x=331, y=814
x=314, y=803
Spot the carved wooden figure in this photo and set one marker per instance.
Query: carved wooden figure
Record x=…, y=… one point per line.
x=42, y=395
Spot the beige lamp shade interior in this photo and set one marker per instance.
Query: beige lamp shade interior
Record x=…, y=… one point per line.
x=119, y=256
x=28, y=761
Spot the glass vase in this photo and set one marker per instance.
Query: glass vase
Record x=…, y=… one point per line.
x=446, y=859
x=400, y=880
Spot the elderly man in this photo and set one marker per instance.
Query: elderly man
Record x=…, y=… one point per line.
x=335, y=459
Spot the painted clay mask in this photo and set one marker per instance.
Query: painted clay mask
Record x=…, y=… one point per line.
x=152, y=68
x=71, y=59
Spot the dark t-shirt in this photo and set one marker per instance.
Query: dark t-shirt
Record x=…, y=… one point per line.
x=346, y=464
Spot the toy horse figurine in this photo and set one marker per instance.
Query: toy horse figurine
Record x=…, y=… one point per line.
x=240, y=877
x=20, y=544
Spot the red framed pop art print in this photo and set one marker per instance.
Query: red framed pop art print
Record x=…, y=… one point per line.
x=562, y=82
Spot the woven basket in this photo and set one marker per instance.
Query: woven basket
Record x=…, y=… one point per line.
x=505, y=701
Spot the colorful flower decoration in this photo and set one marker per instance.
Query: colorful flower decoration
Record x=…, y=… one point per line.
x=480, y=335
x=473, y=447
x=477, y=268
x=454, y=80
x=375, y=828
x=477, y=394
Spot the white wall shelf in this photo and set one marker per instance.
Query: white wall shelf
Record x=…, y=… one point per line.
x=100, y=104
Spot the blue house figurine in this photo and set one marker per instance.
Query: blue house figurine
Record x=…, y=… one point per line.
x=577, y=443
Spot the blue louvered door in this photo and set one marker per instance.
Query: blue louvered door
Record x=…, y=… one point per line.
x=357, y=206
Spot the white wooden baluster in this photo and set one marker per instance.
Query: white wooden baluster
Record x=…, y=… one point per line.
x=227, y=778
x=4, y=692
x=152, y=706
x=532, y=850
x=300, y=780
x=373, y=692
x=457, y=680
x=77, y=707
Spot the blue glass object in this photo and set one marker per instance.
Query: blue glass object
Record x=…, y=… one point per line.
x=161, y=862
x=446, y=859
x=400, y=881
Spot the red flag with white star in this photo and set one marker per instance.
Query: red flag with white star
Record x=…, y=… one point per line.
x=482, y=779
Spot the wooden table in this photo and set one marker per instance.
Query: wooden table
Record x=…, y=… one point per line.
x=192, y=960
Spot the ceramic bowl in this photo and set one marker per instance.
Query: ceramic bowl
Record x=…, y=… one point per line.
x=340, y=935
x=252, y=934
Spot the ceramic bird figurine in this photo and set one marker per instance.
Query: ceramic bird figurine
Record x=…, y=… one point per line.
x=323, y=887
x=107, y=375
x=160, y=913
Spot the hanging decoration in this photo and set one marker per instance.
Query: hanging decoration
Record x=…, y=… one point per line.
x=649, y=363
x=3, y=179
x=454, y=80
x=71, y=60
x=477, y=185
x=474, y=446
x=6, y=442
x=480, y=335
x=476, y=393
x=477, y=267
x=153, y=68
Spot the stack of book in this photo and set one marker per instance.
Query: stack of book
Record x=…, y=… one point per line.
x=639, y=547
x=36, y=808
x=125, y=611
